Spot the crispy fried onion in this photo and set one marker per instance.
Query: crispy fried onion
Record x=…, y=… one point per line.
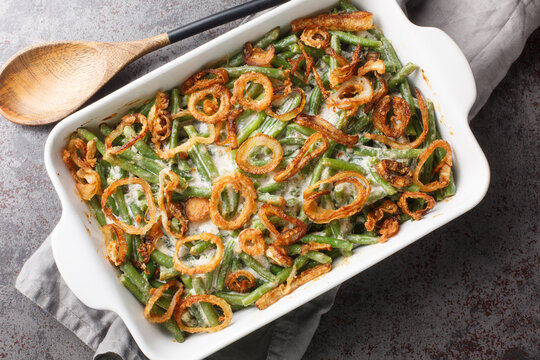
x=184, y=305
x=419, y=140
x=199, y=269
x=87, y=180
x=151, y=211
x=168, y=181
x=316, y=37
x=230, y=128
x=351, y=94
x=340, y=59
x=319, y=124
x=116, y=250
x=374, y=64
x=304, y=157
x=314, y=246
x=127, y=120
x=310, y=67
x=240, y=86
x=257, y=56
x=320, y=215
x=156, y=294
x=396, y=173
x=284, y=289
x=216, y=91
x=291, y=114
x=345, y=72
x=240, y=281
x=244, y=151
x=184, y=147
x=197, y=209
x=148, y=244
x=399, y=120
x=278, y=255
x=444, y=167
x=287, y=236
x=251, y=242
x=389, y=228
x=197, y=81
x=380, y=92
x=377, y=214
x=419, y=214
x=240, y=183
x=284, y=89
x=350, y=21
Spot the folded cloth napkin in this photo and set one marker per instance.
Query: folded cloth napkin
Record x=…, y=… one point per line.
x=491, y=33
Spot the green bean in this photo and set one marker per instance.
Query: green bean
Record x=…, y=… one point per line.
x=257, y=267
x=280, y=278
x=192, y=191
x=426, y=173
x=95, y=205
x=200, y=157
x=271, y=187
x=311, y=51
x=250, y=127
x=343, y=165
x=314, y=101
x=296, y=249
x=235, y=264
x=270, y=199
x=362, y=239
x=275, y=269
x=335, y=243
x=294, y=140
x=347, y=6
x=382, y=153
x=286, y=41
x=145, y=109
x=225, y=264
x=231, y=298
x=170, y=324
x=118, y=196
x=401, y=75
x=352, y=39
x=275, y=127
x=279, y=61
x=270, y=72
x=388, y=189
x=118, y=161
x=162, y=259
x=207, y=308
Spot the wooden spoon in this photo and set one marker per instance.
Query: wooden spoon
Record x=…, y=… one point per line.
x=46, y=82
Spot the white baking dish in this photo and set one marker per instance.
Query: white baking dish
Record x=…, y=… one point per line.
x=77, y=242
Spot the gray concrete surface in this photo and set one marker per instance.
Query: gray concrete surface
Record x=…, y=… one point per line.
x=468, y=290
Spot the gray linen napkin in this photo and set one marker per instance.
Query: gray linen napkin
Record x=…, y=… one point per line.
x=491, y=33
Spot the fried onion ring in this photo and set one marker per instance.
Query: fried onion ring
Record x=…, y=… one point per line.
x=389, y=228
x=444, y=166
x=419, y=140
x=116, y=250
x=311, y=68
x=197, y=81
x=377, y=214
x=184, y=305
x=340, y=59
x=284, y=289
x=345, y=72
x=350, y=21
x=320, y=215
x=381, y=91
x=257, y=56
x=316, y=37
x=278, y=255
x=91, y=184
x=199, y=269
x=419, y=214
x=375, y=65
x=127, y=120
x=351, y=94
x=240, y=183
x=251, y=242
x=156, y=294
x=303, y=157
x=149, y=201
x=396, y=173
x=167, y=208
x=231, y=139
x=240, y=85
x=215, y=91
x=286, y=236
x=242, y=155
x=402, y=113
x=87, y=180
x=319, y=124
x=291, y=114
x=240, y=281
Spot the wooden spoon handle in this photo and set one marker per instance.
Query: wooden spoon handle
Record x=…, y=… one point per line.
x=221, y=18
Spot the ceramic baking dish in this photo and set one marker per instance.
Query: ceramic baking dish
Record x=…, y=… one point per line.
x=77, y=242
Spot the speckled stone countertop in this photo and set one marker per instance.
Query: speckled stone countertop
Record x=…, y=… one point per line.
x=469, y=290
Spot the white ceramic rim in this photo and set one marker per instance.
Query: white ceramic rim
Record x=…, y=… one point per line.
x=76, y=241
